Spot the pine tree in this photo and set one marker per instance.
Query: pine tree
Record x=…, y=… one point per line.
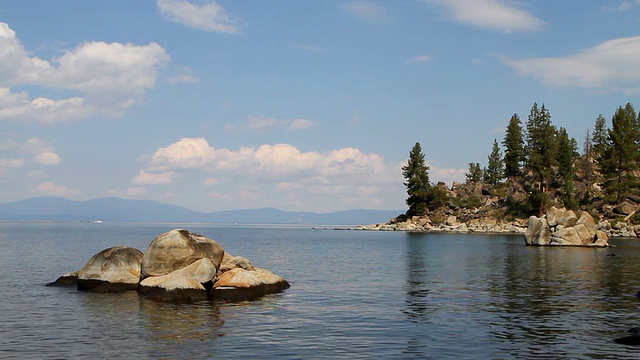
x=475, y=173
x=417, y=182
x=540, y=146
x=513, y=147
x=565, y=158
x=599, y=137
x=495, y=168
x=587, y=156
x=621, y=155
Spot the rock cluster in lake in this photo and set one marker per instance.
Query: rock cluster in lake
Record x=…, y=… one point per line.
x=177, y=266
x=563, y=227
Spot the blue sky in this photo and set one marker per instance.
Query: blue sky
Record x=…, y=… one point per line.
x=298, y=105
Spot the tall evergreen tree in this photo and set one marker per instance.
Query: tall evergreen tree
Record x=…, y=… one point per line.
x=475, y=173
x=621, y=156
x=540, y=145
x=587, y=158
x=417, y=182
x=599, y=137
x=566, y=157
x=513, y=147
x=495, y=168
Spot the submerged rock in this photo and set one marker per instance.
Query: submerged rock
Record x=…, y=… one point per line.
x=112, y=269
x=70, y=278
x=632, y=339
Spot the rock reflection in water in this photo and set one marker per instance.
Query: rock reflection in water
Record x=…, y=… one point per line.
x=200, y=321
x=417, y=285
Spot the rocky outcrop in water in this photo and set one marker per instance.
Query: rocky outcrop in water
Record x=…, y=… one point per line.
x=177, y=266
x=562, y=227
x=111, y=270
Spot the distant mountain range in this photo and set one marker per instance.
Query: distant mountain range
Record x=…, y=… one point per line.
x=116, y=209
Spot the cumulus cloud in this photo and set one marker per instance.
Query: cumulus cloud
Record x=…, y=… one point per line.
x=280, y=171
x=366, y=11
x=160, y=178
x=210, y=181
x=41, y=151
x=490, y=14
x=264, y=124
x=11, y=163
x=47, y=158
x=208, y=17
x=52, y=189
x=622, y=6
x=613, y=65
x=107, y=78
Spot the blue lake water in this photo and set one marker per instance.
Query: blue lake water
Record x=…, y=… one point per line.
x=354, y=294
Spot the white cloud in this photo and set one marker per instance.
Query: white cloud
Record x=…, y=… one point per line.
x=36, y=174
x=613, y=65
x=622, y=6
x=278, y=159
x=136, y=191
x=299, y=124
x=184, y=154
x=47, y=158
x=490, y=14
x=160, y=178
x=107, y=78
x=183, y=75
x=43, y=153
x=419, y=59
x=210, y=181
x=366, y=11
x=446, y=175
x=263, y=124
x=251, y=175
x=182, y=78
x=208, y=17
x=52, y=189
x=11, y=163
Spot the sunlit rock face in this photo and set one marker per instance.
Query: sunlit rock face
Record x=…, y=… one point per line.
x=111, y=270
x=177, y=249
x=178, y=266
x=563, y=227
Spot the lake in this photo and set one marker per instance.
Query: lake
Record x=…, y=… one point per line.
x=354, y=294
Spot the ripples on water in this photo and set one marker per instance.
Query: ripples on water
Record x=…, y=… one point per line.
x=354, y=294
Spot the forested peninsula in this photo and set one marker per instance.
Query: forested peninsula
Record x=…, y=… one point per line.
x=538, y=168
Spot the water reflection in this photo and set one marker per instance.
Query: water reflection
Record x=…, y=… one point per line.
x=417, y=284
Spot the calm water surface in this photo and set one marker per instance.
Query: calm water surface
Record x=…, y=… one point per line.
x=353, y=294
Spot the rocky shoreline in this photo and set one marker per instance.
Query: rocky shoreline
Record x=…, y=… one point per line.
x=485, y=226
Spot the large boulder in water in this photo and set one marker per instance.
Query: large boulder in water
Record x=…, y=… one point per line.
x=561, y=227
x=538, y=231
x=178, y=249
x=242, y=284
x=111, y=270
x=561, y=217
x=187, y=284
